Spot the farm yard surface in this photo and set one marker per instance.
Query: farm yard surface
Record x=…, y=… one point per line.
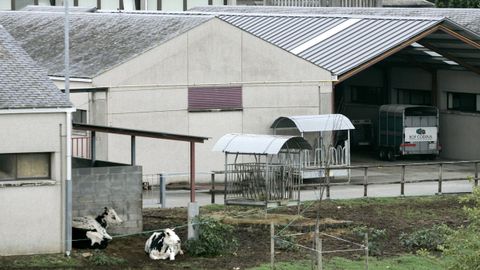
x=339, y=218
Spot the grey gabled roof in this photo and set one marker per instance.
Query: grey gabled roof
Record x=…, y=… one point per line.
x=23, y=85
x=467, y=17
x=338, y=43
x=99, y=42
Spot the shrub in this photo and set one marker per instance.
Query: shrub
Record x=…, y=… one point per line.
x=214, y=238
x=429, y=239
x=462, y=248
x=376, y=238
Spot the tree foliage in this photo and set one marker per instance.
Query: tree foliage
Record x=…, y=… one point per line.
x=457, y=3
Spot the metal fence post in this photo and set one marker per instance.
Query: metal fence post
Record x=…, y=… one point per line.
x=212, y=191
x=402, y=182
x=365, y=181
x=440, y=176
x=162, y=190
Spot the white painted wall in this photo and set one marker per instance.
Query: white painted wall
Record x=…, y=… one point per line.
x=459, y=131
x=150, y=92
x=32, y=216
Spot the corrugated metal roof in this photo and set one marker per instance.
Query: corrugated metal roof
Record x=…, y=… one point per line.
x=467, y=17
x=314, y=123
x=347, y=48
x=258, y=144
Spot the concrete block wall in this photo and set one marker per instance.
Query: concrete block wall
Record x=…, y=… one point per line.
x=119, y=187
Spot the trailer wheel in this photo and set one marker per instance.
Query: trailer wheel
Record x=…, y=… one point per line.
x=390, y=155
x=381, y=154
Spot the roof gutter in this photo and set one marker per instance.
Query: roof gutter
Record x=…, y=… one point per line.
x=40, y=110
x=58, y=78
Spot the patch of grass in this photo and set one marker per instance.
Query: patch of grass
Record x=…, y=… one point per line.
x=99, y=258
x=407, y=262
x=42, y=261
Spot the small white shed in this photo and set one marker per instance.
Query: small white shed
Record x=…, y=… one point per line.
x=326, y=152
x=262, y=170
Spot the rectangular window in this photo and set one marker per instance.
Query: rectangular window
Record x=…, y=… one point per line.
x=24, y=166
x=214, y=98
x=463, y=102
x=79, y=116
x=414, y=97
x=367, y=95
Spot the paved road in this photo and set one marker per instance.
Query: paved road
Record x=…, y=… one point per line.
x=379, y=177
x=181, y=198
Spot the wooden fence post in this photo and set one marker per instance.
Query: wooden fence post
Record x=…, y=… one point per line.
x=327, y=173
x=440, y=176
x=272, y=246
x=365, y=181
x=366, y=251
x=476, y=174
x=402, y=182
x=319, y=253
x=212, y=190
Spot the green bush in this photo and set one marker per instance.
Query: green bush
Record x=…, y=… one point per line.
x=462, y=248
x=376, y=238
x=429, y=239
x=214, y=238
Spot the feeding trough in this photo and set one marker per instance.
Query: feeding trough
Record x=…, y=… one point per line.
x=330, y=134
x=262, y=170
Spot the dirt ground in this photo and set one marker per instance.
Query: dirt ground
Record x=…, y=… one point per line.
x=337, y=218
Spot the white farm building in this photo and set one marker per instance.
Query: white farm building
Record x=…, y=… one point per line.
x=209, y=74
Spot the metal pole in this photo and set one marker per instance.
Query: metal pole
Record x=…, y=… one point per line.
x=92, y=147
x=272, y=246
x=192, y=171
x=440, y=176
x=68, y=195
x=212, y=191
x=225, y=180
x=132, y=150
x=402, y=182
x=162, y=190
x=365, y=181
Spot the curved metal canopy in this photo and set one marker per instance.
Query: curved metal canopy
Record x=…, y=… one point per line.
x=314, y=123
x=258, y=144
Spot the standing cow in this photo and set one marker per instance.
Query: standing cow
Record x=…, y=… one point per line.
x=163, y=245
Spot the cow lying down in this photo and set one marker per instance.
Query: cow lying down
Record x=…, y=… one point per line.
x=90, y=232
x=163, y=245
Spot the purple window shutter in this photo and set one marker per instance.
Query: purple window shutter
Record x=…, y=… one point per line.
x=205, y=98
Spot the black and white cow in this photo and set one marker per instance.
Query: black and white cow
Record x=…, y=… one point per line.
x=90, y=232
x=163, y=245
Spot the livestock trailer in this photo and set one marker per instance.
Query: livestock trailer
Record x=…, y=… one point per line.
x=408, y=130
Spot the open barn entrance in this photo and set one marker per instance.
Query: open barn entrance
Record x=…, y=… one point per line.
x=440, y=67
